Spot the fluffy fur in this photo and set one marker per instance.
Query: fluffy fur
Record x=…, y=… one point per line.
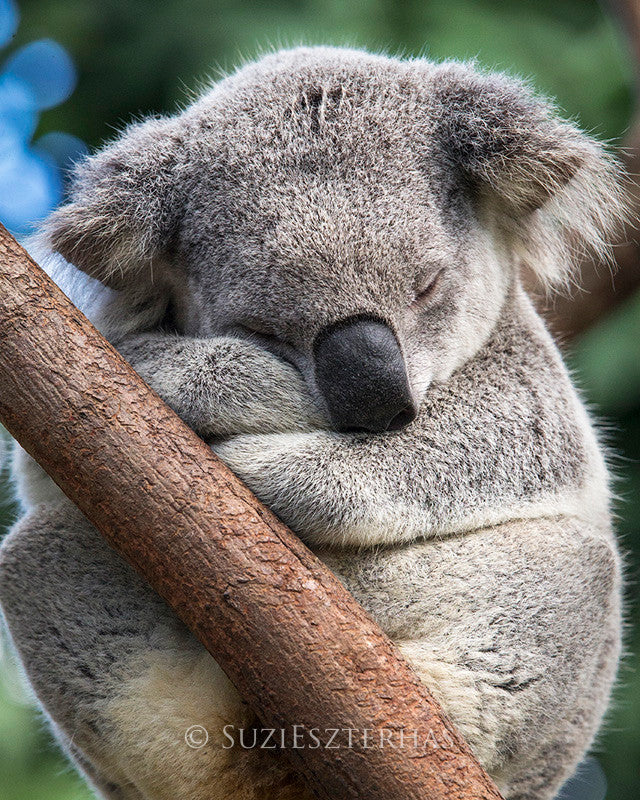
x=313, y=186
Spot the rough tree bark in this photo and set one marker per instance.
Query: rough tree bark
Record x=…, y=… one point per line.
x=255, y=596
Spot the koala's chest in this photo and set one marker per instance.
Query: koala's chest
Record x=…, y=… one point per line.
x=483, y=584
x=411, y=590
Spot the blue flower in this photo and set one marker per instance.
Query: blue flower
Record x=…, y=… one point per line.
x=36, y=77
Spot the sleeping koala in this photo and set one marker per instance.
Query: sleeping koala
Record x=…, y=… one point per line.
x=318, y=266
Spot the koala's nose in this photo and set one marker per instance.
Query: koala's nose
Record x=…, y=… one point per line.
x=362, y=376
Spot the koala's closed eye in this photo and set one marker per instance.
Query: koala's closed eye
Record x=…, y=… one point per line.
x=261, y=336
x=427, y=290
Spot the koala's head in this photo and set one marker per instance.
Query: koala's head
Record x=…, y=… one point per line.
x=363, y=217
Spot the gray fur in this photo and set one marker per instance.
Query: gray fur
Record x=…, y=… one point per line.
x=312, y=186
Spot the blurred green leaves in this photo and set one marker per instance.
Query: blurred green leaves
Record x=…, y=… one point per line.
x=31, y=768
x=609, y=360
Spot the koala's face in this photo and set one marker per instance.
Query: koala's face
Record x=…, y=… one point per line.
x=318, y=205
x=360, y=216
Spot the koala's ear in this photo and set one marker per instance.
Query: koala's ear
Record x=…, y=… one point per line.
x=557, y=190
x=124, y=205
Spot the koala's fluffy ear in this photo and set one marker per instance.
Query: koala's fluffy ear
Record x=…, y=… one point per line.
x=124, y=205
x=556, y=190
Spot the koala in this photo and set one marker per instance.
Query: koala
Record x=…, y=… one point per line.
x=319, y=265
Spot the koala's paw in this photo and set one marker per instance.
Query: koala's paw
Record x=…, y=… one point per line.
x=253, y=391
x=223, y=386
x=330, y=488
x=304, y=479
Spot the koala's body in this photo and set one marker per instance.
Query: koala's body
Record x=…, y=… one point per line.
x=317, y=265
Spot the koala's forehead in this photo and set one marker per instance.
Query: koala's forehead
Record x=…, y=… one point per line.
x=314, y=110
x=317, y=141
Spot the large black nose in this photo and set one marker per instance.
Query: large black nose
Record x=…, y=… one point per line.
x=361, y=374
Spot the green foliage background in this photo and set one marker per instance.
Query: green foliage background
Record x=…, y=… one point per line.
x=138, y=56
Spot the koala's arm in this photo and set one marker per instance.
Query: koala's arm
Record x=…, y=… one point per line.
x=222, y=386
x=434, y=478
x=503, y=438
x=219, y=386
x=338, y=489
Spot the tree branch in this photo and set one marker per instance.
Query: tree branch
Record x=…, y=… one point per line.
x=261, y=603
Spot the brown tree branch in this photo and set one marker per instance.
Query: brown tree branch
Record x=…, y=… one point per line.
x=261, y=603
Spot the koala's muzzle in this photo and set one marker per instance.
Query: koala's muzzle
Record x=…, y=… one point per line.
x=362, y=376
